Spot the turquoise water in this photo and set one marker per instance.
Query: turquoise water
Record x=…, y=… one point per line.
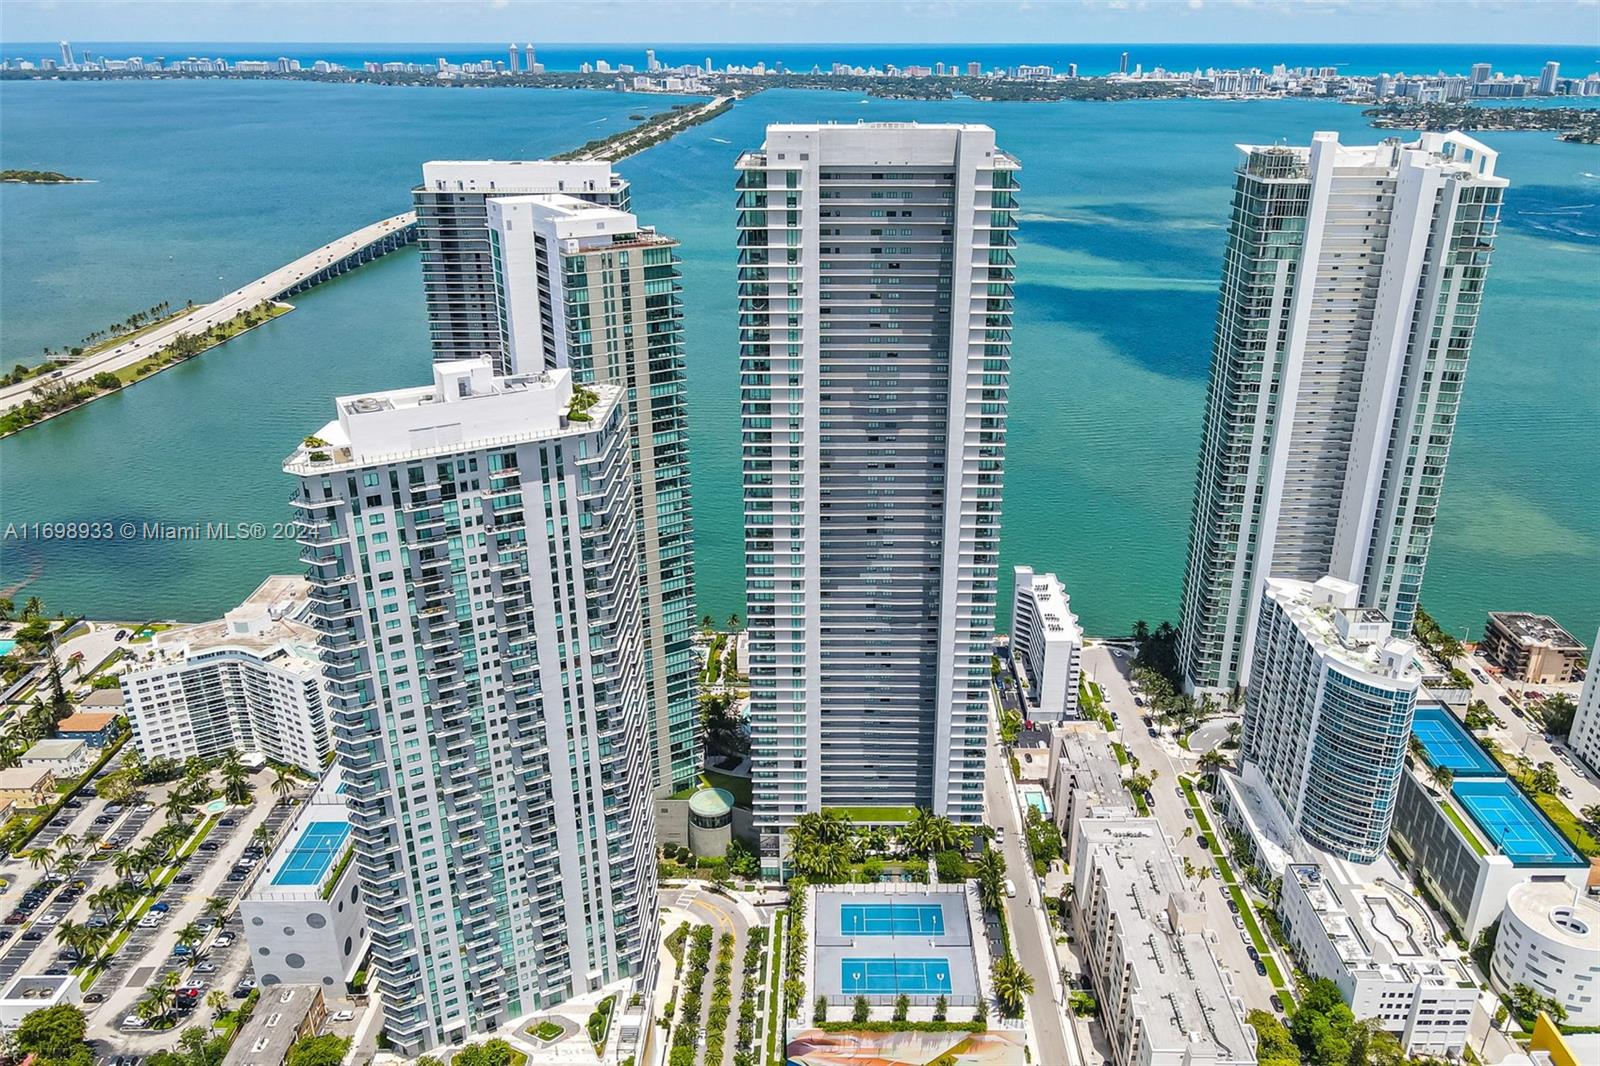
x=1124, y=209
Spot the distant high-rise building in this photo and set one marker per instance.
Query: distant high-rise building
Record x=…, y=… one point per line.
x=1548, y=77
x=1350, y=288
x=1072, y=70
x=875, y=352
x=530, y=62
x=1327, y=718
x=512, y=59
x=588, y=288
x=974, y=69
x=650, y=62
x=66, y=56
x=453, y=230
x=1123, y=67
x=471, y=552
x=1481, y=72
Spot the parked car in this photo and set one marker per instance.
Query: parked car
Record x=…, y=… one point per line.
x=1261, y=968
x=1277, y=1004
x=235, y=875
x=160, y=908
x=133, y=1021
x=1255, y=956
x=182, y=951
x=115, y=808
x=183, y=879
x=145, y=808
x=243, y=990
x=95, y=997
x=999, y=834
x=206, y=967
x=33, y=935
x=222, y=941
x=1232, y=906
x=341, y=1016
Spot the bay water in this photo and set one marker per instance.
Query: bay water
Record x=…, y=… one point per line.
x=204, y=185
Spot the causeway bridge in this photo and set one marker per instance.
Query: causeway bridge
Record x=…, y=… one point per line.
x=328, y=262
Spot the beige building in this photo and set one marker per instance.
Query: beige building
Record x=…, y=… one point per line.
x=1531, y=648
x=27, y=786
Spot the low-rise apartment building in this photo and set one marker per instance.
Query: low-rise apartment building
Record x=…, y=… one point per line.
x=1046, y=646
x=1163, y=998
x=1532, y=648
x=251, y=682
x=1384, y=951
x=1085, y=780
x=64, y=757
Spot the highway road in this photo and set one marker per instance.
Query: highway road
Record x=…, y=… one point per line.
x=1031, y=937
x=269, y=287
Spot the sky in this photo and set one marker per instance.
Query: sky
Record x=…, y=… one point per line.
x=806, y=21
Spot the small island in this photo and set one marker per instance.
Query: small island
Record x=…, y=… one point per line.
x=1579, y=125
x=39, y=177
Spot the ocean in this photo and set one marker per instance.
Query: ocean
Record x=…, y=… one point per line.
x=203, y=185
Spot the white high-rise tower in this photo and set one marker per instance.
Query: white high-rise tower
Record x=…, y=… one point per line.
x=875, y=282
x=472, y=558
x=1350, y=291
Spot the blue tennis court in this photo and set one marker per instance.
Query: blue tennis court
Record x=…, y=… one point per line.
x=891, y=919
x=308, y=862
x=1512, y=824
x=1447, y=743
x=889, y=977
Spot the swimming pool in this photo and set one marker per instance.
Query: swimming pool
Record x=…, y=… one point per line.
x=6, y=646
x=1446, y=743
x=888, y=977
x=1512, y=823
x=1036, y=799
x=891, y=919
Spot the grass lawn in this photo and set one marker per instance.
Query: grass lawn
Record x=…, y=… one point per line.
x=1559, y=813
x=775, y=1053
x=739, y=786
x=877, y=815
x=1120, y=752
x=1465, y=829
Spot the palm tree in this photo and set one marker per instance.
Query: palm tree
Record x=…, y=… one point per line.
x=178, y=807
x=235, y=779
x=992, y=880
x=217, y=1000
x=1443, y=777
x=190, y=935
x=32, y=609
x=159, y=999
x=1141, y=631
x=262, y=835
x=216, y=907
x=821, y=827
x=1012, y=986
x=125, y=863
x=282, y=784
x=42, y=858
x=1212, y=761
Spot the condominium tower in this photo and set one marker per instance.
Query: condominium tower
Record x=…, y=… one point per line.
x=471, y=547
x=1327, y=718
x=453, y=232
x=249, y=682
x=586, y=287
x=1046, y=645
x=875, y=291
x=1350, y=293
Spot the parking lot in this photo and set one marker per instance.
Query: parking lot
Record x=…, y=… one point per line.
x=221, y=866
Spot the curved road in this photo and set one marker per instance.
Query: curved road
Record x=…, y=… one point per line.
x=218, y=311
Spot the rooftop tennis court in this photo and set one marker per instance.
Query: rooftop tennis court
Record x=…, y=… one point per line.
x=891, y=919
x=883, y=941
x=313, y=854
x=1447, y=743
x=892, y=977
x=1512, y=824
